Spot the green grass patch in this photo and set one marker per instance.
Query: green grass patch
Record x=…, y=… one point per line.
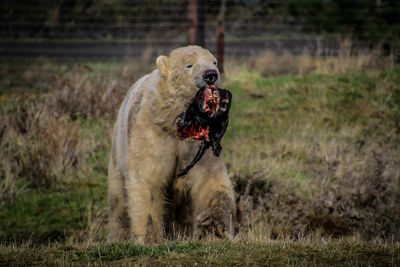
x=293, y=253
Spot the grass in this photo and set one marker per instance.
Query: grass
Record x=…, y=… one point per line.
x=312, y=148
x=212, y=253
x=325, y=145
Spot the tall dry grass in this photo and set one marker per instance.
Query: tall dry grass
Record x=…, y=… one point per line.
x=349, y=58
x=38, y=146
x=41, y=136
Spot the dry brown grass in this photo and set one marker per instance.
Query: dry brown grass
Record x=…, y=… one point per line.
x=348, y=58
x=41, y=135
x=78, y=96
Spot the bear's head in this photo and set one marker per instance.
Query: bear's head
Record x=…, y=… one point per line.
x=189, y=68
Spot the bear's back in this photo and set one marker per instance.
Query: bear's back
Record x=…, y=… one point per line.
x=126, y=119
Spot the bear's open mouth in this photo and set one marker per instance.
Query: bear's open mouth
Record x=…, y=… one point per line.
x=211, y=100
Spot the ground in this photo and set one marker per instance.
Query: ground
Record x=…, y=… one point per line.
x=212, y=253
x=312, y=147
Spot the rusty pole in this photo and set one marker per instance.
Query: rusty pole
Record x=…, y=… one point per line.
x=220, y=36
x=192, y=21
x=196, y=19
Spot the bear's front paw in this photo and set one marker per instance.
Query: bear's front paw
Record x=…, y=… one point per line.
x=215, y=225
x=217, y=217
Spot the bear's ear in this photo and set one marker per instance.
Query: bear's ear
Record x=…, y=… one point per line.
x=163, y=65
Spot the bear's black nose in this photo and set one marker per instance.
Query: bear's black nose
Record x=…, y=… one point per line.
x=210, y=76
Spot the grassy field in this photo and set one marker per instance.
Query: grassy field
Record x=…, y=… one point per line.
x=211, y=253
x=313, y=148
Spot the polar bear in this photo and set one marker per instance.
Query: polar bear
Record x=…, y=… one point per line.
x=147, y=203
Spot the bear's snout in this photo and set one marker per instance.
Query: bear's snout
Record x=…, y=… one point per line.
x=210, y=76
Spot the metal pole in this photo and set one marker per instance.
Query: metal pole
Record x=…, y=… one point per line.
x=192, y=22
x=220, y=36
x=196, y=22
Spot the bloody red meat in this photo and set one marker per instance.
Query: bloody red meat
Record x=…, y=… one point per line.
x=196, y=131
x=205, y=119
x=210, y=105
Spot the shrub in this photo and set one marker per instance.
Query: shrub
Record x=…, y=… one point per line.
x=38, y=147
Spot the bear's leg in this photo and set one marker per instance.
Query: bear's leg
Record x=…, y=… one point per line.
x=146, y=208
x=151, y=165
x=212, y=195
x=118, y=219
x=178, y=216
x=150, y=170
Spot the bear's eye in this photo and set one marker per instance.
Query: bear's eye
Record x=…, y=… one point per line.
x=215, y=62
x=189, y=66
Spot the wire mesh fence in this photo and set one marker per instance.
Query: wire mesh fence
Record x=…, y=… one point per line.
x=132, y=28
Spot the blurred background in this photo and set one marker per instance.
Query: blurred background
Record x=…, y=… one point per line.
x=313, y=144
x=120, y=29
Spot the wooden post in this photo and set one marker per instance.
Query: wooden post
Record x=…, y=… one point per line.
x=220, y=36
x=196, y=21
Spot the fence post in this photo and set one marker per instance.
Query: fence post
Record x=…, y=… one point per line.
x=196, y=21
x=220, y=36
